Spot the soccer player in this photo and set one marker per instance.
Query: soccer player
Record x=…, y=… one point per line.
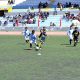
x=75, y=22
x=42, y=36
x=75, y=35
x=26, y=34
x=70, y=34
x=32, y=38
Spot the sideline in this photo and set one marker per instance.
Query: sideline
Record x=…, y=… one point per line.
x=62, y=33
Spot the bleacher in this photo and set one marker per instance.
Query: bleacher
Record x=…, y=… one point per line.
x=64, y=2
x=20, y=7
x=29, y=3
x=34, y=3
x=52, y=18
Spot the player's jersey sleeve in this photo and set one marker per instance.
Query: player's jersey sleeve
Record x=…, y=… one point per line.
x=27, y=33
x=73, y=33
x=78, y=33
x=40, y=35
x=35, y=37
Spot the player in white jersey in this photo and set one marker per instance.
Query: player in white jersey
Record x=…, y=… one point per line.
x=26, y=34
x=75, y=22
x=70, y=34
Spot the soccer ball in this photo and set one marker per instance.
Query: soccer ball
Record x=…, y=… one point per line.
x=37, y=48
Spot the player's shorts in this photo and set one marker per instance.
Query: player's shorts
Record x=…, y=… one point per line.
x=75, y=38
x=32, y=42
x=26, y=38
x=71, y=37
x=43, y=39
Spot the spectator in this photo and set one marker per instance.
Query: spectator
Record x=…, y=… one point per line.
x=52, y=25
x=5, y=23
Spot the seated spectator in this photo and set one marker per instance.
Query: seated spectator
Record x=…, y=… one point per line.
x=67, y=5
x=5, y=23
x=67, y=15
x=40, y=5
x=72, y=16
x=78, y=17
x=55, y=12
x=34, y=21
x=43, y=5
x=11, y=1
x=70, y=4
x=52, y=25
x=58, y=5
x=76, y=5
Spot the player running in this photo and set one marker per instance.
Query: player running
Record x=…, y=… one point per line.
x=26, y=34
x=70, y=34
x=75, y=35
x=42, y=37
x=32, y=38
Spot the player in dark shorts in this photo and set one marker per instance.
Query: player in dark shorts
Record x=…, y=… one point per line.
x=42, y=37
x=75, y=36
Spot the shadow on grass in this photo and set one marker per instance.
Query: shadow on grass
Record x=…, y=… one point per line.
x=70, y=46
x=28, y=49
x=65, y=44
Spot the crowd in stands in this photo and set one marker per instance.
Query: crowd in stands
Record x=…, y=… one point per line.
x=5, y=23
x=78, y=16
x=68, y=16
x=30, y=17
x=27, y=18
x=43, y=5
x=43, y=15
x=67, y=5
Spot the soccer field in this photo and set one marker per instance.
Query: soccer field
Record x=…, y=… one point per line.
x=58, y=60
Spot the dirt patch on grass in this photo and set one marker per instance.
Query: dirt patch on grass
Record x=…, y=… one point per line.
x=37, y=33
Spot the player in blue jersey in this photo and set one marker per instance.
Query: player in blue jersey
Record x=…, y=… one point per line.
x=32, y=38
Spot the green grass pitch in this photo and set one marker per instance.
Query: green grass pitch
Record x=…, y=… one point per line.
x=59, y=61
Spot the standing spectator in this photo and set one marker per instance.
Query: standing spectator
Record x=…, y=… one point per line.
x=17, y=22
